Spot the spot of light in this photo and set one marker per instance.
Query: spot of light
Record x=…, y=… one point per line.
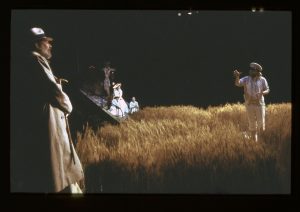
x=189, y=13
x=253, y=9
x=179, y=14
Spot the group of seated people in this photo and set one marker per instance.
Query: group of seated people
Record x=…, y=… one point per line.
x=118, y=106
x=108, y=95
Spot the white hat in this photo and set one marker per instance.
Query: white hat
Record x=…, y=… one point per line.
x=117, y=85
x=38, y=34
x=256, y=66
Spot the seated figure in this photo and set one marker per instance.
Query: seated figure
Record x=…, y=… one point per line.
x=133, y=106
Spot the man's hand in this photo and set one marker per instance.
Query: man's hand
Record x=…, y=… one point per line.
x=259, y=95
x=236, y=73
x=61, y=80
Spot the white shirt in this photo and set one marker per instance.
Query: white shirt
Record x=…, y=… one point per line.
x=252, y=87
x=133, y=104
x=118, y=92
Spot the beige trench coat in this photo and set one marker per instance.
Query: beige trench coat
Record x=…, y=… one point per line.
x=46, y=160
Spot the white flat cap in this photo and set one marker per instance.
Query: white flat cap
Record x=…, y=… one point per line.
x=117, y=85
x=38, y=33
x=256, y=66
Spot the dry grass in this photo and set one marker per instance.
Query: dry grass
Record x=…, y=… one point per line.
x=188, y=149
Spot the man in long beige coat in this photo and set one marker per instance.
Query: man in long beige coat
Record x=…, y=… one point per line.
x=47, y=161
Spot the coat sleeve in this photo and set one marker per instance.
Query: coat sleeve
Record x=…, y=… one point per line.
x=53, y=90
x=61, y=99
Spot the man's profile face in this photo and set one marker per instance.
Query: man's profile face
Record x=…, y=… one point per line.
x=44, y=47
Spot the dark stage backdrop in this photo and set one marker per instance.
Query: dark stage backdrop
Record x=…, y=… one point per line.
x=164, y=58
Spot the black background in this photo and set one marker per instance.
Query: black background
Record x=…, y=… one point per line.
x=166, y=59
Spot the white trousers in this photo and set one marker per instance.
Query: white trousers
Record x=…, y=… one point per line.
x=256, y=117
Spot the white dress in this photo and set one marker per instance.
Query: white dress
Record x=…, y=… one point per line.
x=118, y=105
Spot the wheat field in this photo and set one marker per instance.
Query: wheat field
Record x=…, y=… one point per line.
x=186, y=149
